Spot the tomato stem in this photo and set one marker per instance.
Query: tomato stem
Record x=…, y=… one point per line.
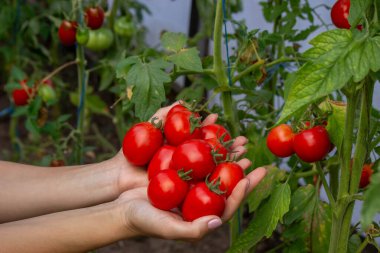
x=325, y=185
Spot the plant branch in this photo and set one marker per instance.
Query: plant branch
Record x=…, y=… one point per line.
x=325, y=185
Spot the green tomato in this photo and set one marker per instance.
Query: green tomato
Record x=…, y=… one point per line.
x=124, y=27
x=47, y=93
x=99, y=39
x=82, y=36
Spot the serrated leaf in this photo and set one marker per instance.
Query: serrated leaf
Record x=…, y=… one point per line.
x=358, y=9
x=302, y=201
x=173, y=41
x=263, y=189
x=187, y=59
x=124, y=65
x=265, y=221
x=335, y=58
x=148, y=80
x=320, y=228
x=336, y=120
x=371, y=204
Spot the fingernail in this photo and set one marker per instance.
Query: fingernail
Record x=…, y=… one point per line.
x=212, y=224
x=247, y=187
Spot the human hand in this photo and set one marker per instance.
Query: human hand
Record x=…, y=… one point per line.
x=141, y=218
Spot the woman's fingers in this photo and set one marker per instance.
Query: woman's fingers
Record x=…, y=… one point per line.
x=239, y=141
x=210, y=119
x=163, y=112
x=244, y=163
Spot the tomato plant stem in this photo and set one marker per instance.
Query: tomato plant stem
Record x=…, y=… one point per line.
x=113, y=13
x=325, y=185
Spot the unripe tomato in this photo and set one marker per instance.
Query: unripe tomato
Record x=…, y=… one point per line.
x=201, y=201
x=280, y=141
x=160, y=161
x=167, y=190
x=94, y=17
x=82, y=36
x=100, y=39
x=366, y=175
x=67, y=32
x=339, y=14
x=229, y=175
x=124, y=27
x=313, y=144
x=141, y=142
x=47, y=93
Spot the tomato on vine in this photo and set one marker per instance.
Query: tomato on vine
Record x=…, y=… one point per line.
x=47, y=93
x=280, y=141
x=181, y=126
x=141, y=142
x=194, y=155
x=23, y=95
x=365, y=177
x=215, y=131
x=94, y=17
x=168, y=189
x=100, y=39
x=312, y=145
x=339, y=14
x=67, y=32
x=160, y=161
x=229, y=174
x=218, y=149
x=124, y=27
x=202, y=200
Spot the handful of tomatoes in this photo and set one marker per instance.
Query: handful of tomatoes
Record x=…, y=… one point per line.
x=188, y=166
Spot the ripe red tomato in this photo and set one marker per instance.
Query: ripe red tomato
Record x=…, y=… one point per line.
x=167, y=190
x=21, y=96
x=160, y=161
x=218, y=148
x=94, y=17
x=141, y=142
x=181, y=126
x=201, y=201
x=194, y=155
x=366, y=175
x=280, y=140
x=230, y=174
x=312, y=145
x=339, y=14
x=215, y=131
x=67, y=32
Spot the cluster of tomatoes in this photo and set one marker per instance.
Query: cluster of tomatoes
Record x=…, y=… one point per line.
x=22, y=95
x=311, y=144
x=188, y=166
x=339, y=14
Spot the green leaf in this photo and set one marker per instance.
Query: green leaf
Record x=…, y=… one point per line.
x=335, y=58
x=266, y=219
x=263, y=189
x=336, y=120
x=124, y=66
x=320, y=228
x=302, y=201
x=107, y=75
x=191, y=93
x=354, y=243
x=173, y=41
x=358, y=9
x=371, y=205
x=187, y=59
x=148, y=80
x=93, y=102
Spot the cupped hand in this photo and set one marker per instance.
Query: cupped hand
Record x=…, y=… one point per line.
x=141, y=218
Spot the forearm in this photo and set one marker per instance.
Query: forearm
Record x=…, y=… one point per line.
x=28, y=191
x=70, y=231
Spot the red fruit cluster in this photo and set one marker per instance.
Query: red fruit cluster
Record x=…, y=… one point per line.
x=310, y=145
x=187, y=166
x=94, y=18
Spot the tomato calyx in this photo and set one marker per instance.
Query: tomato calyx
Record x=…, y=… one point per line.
x=195, y=123
x=214, y=186
x=185, y=175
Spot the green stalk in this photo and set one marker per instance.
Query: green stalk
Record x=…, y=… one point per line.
x=81, y=81
x=358, y=161
x=345, y=158
x=228, y=103
x=113, y=13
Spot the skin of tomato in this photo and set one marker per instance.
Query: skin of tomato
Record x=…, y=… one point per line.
x=201, y=201
x=215, y=131
x=194, y=155
x=218, y=148
x=230, y=174
x=177, y=128
x=100, y=39
x=167, y=190
x=124, y=26
x=94, y=17
x=312, y=145
x=339, y=14
x=160, y=161
x=280, y=141
x=366, y=175
x=67, y=32
x=141, y=142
